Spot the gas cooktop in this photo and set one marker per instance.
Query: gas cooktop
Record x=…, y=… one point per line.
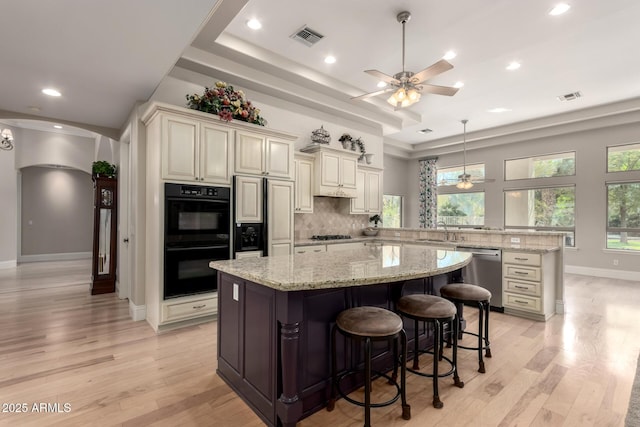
x=330, y=237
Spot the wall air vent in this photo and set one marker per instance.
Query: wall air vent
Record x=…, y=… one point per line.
x=307, y=36
x=569, y=96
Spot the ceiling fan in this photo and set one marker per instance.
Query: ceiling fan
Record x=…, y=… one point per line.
x=464, y=181
x=406, y=84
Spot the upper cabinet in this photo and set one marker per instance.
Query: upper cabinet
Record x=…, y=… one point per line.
x=335, y=171
x=369, y=192
x=193, y=150
x=262, y=155
x=303, y=184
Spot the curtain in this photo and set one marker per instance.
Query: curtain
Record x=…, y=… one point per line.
x=427, y=216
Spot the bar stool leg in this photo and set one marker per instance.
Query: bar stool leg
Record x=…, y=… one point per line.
x=367, y=382
x=334, y=370
x=480, y=338
x=394, y=376
x=454, y=334
x=486, y=330
x=437, y=403
x=406, y=409
x=416, y=352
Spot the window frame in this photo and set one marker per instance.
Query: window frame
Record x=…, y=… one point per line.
x=462, y=192
x=575, y=164
x=607, y=228
x=606, y=159
x=461, y=166
x=401, y=207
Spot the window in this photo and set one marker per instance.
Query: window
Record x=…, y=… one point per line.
x=461, y=209
x=623, y=158
x=623, y=216
x=541, y=209
x=392, y=211
x=560, y=164
x=449, y=176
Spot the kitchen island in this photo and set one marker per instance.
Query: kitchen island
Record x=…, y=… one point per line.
x=275, y=315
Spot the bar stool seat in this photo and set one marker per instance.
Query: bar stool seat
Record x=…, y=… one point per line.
x=438, y=311
x=461, y=293
x=370, y=324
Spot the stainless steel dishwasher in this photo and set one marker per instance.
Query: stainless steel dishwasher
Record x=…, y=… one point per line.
x=485, y=269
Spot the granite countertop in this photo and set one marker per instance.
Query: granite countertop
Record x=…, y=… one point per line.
x=363, y=266
x=430, y=243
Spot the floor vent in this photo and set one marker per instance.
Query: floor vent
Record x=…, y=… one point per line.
x=307, y=36
x=569, y=96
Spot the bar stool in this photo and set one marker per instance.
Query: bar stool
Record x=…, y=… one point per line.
x=370, y=324
x=461, y=293
x=438, y=311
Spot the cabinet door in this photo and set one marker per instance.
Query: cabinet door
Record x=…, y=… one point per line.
x=280, y=209
x=358, y=204
x=373, y=195
x=330, y=169
x=279, y=159
x=215, y=154
x=248, y=199
x=179, y=149
x=304, y=186
x=349, y=167
x=249, y=153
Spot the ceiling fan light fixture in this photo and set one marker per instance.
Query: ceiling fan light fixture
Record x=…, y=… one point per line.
x=464, y=181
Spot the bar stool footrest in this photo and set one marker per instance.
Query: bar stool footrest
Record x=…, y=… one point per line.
x=390, y=381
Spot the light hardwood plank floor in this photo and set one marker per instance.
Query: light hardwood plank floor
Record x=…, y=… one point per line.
x=59, y=345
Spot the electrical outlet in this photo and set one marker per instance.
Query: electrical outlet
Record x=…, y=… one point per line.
x=515, y=240
x=615, y=262
x=236, y=292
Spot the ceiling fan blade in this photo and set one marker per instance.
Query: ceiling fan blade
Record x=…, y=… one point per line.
x=431, y=71
x=370, y=94
x=382, y=76
x=440, y=90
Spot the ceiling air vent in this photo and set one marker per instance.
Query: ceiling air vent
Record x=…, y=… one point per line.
x=569, y=96
x=425, y=130
x=307, y=36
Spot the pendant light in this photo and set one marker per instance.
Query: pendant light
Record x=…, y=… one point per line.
x=464, y=180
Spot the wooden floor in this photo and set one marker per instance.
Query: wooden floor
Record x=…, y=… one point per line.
x=92, y=365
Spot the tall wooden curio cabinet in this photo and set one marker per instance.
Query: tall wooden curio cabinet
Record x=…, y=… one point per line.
x=103, y=279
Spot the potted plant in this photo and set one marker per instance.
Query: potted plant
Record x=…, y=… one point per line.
x=103, y=168
x=373, y=231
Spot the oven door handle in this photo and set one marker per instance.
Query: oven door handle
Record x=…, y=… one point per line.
x=198, y=199
x=196, y=248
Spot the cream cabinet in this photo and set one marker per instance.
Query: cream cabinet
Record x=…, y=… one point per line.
x=335, y=247
x=193, y=150
x=334, y=171
x=310, y=249
x=248, y=254
x=528, y=284
x=368, y=192
x=249, y=199
x=257, y=154
x=303, y=184
x=280, y=210
x=187, y=308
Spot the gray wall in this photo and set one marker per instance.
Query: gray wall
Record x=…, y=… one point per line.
x=396, y=183
x=57, y=211
x=590, y=147
x=9, y=211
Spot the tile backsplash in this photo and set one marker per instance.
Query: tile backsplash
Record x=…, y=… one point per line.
x=330, y=216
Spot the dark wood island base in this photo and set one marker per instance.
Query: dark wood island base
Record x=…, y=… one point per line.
x=274, y=346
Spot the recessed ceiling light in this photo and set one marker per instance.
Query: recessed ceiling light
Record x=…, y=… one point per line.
x=458, y=85
x=57, y=126
x=382, y=84
x=499, y=110
x=254, y=24
x=51, y=92
x=330, y=59
x=513, y=66
x=559, y=9
x=449, y=55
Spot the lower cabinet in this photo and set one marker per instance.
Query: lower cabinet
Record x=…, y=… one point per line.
x=249, y=254
x=309, y=249
x=334, y=247
x=191, y=307
x=528, y=284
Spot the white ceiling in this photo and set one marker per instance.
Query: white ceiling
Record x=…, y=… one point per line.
x=104, y=56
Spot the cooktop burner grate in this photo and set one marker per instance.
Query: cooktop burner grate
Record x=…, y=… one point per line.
x=330, y=237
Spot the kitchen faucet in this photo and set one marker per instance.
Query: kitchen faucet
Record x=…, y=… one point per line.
x=446, y=232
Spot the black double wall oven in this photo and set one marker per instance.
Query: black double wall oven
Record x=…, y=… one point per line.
x=197, y=231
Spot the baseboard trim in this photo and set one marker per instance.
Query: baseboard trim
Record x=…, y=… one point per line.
x=8, y=264
x=137, y=312
x=68, y=256
x=601, y=272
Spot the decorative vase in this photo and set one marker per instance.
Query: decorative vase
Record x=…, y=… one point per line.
x=346, y=144
x=368, y=157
